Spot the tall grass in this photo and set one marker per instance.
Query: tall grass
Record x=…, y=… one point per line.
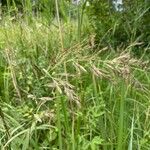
x=59, y=91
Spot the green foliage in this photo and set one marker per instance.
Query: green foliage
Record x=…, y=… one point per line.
x=120, y=28
x=60, y=91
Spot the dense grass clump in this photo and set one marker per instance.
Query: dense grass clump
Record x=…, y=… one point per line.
x=62, y=88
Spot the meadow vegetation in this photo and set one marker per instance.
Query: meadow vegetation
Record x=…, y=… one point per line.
x=74, y=77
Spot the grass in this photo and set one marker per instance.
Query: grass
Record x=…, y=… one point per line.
x=58, y=91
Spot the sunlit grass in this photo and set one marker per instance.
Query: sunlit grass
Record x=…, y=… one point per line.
x=59, y=91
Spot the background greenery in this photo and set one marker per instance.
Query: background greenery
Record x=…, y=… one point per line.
x=74, y=77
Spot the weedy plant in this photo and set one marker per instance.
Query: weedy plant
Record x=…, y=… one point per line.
x=59, y=90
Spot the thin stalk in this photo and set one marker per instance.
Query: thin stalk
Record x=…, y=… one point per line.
x=130, y=147
x=8, y=6
x=73, y=138
x=59, y=24
x=65, y=108
x=121, y=117
x=66, y=123
x=6, y=86
x=79, y=24
x=112, y=135
x=59, y=124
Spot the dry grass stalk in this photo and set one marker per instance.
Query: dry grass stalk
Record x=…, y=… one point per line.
x=79, y=68
x=13, y=74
